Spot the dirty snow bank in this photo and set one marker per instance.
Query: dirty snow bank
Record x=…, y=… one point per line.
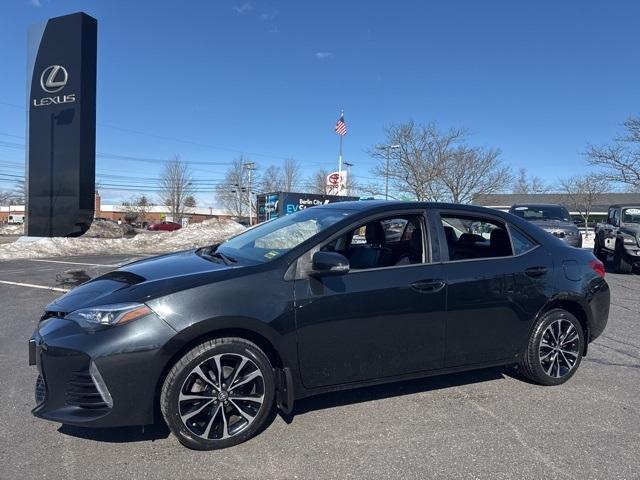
x=12, y=229
x=192, y=236
x=108, y=229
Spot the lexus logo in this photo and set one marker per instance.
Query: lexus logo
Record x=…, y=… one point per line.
x=53, y=78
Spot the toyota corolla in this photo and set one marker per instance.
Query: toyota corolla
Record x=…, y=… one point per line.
x=332, y=297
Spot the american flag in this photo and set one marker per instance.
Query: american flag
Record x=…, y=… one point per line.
x=341, y=127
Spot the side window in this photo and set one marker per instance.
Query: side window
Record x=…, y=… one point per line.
x=616, y=217
x=610, y=219
x=521, y=243
x=469, y=237
x=386, y=242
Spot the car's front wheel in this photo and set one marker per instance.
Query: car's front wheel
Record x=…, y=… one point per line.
x=620, y=262
x=554, y=350
x=218, y=394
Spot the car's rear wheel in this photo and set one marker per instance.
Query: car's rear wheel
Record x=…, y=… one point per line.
x=218, y=394
x=620, y=262
x=554, y=350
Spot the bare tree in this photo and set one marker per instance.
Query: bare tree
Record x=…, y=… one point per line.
x=233, y=194
x=5, y=196
x=291, y=175
x=317, y=182
x=620, y=161
x=20, y=191
x=430, y=164
x=583, y=193
x=523, y=183
x=416, y=163
x=136, y=208
x=272, y=179
x=470, y=171
x=176, y=186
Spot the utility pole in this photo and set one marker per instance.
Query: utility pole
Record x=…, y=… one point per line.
x=250, y=166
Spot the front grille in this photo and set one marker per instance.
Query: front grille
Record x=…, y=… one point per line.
x=82, y=392
x=49, y=314
x=41, y=390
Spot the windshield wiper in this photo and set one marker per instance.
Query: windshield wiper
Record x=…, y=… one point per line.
x=228, y=260
x=213, y=252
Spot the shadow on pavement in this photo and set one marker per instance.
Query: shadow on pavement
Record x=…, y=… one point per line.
x=159, y=430
x=396, y=389
x=118, y=434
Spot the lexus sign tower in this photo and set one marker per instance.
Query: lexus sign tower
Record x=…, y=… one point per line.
x=61, y=126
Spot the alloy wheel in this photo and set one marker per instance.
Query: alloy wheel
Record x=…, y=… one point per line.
x=221, y=396
x=559, y=349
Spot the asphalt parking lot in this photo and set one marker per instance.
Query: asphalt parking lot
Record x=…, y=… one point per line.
x=485, y=424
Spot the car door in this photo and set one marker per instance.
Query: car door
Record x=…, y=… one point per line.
x=492, y=299
x=372, y=323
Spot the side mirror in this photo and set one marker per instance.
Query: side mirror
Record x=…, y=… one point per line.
x=329, y=263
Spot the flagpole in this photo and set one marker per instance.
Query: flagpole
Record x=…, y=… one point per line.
x=340, y=156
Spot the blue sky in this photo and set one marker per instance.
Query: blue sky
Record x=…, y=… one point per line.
x=210, y=79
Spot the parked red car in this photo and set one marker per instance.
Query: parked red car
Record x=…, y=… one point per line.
x=164, y=226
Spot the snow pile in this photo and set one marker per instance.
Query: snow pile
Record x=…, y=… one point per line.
x=108, y=229
x=193, y=236
x=587, y=240
x=12, y=229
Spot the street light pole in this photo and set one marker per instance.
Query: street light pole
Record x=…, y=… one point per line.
x=251, y=166
x=347, y=183
x=386, y=172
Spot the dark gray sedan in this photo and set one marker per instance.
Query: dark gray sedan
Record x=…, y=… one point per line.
x=552, y=218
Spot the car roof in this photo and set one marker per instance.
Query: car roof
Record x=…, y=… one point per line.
x=622, y=205
x=374, y=205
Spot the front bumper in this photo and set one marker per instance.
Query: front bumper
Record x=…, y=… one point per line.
x=105, y=378
x=632, y=253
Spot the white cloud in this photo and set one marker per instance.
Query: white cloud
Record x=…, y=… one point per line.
x=323, y=55
x=35, y=3
x=265, y=17
x=240, y=9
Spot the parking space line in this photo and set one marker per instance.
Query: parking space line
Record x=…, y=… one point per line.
x=30, y=285
x=76, y=263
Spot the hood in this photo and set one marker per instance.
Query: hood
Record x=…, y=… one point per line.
x=554, y=224
x=145, y=279
x=632, y=229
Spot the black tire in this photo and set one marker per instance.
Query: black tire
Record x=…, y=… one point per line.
x=620, y=262
x=182, y=374
x=598, y=252
x=535, y=368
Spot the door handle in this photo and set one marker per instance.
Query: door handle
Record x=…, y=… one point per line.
x=536, y=271
x=428, y=286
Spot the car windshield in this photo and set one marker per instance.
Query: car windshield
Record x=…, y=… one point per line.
x=274, y=238
x=542, y=212
x=631, y=215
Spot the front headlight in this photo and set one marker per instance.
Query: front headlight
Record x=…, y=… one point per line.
x=628, y=240
x=105, y=315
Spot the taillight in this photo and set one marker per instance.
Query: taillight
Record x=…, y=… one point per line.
x=597, y=266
